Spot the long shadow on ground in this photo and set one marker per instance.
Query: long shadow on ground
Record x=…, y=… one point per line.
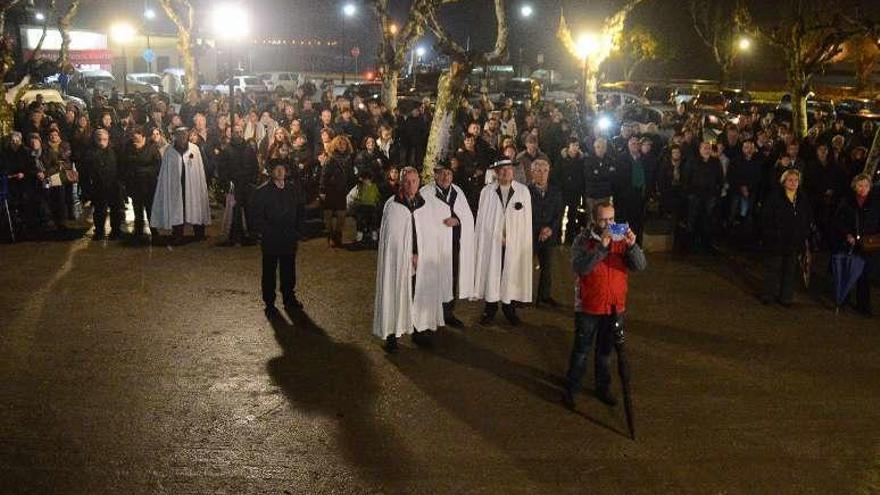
x=334, y=380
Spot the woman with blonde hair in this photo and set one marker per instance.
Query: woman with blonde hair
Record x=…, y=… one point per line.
x=785, y=219
x=858, y=216
x=276, y=149
x=336, y=179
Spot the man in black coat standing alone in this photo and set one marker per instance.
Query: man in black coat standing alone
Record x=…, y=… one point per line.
x=277, y=214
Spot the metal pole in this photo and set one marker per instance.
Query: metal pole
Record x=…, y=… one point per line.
x=231, y=89
x=124, y=71
x=149, y=62
x=344, y=44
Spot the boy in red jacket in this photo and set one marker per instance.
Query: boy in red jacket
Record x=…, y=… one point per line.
x=601, y=265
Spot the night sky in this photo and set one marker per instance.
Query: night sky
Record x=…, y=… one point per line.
x=474, y=19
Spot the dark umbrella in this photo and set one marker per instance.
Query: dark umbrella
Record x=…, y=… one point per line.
x=623, y=371
x=846, y=268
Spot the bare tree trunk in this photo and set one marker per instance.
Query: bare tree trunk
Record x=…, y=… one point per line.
x=591, y=88
x=799, y=108
x=64, y=28
x=724, y=76
x=450, y=90
x=184, y=39
x=389, y=88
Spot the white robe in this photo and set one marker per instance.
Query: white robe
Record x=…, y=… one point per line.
x=514, y=283
x=168, y=208
x=396, y=308
x=466, y=244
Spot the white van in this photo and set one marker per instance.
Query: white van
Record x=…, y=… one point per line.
x=275, y=79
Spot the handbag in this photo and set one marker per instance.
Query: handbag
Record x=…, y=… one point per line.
x=871, y=243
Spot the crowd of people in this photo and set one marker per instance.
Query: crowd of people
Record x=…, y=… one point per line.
x=345, y=153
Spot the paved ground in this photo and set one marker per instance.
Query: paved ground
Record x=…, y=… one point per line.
x=150, y=370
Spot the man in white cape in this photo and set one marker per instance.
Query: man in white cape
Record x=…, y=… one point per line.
x=181, y=191
x=457, y=250
x=503, y=232
x=409, y=295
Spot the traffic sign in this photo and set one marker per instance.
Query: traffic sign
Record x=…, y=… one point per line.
x=148, y=56
x=355, y=52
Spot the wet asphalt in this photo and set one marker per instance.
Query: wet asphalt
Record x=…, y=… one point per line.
x=130, y=369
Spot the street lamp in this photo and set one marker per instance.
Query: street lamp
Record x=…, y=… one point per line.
x=348, y=10
x=123, y=33
x=393, y=29
x=230, y=22
x=149, y=15
x=744, y=45
x=40, y=16
x=586, y=46
x=525, y=11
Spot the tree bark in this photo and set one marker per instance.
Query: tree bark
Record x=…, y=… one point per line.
x=591, y=88
x=184, y=40
x=450, y=90
x=389, y=88
x=64, y=28
x=799, y=107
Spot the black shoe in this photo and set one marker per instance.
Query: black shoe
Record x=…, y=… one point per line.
x=423, y=339
x=866, y=312
x=271, y=311
x=98, y=236
x=248, y=241
x=568, y=401
x=604, y=395
x=390, y=344
x=452, y=321
x=293, y=304
x=511, y=317
x=486, y=319
x=784, y=304
x=549, y=301
x=226, y=243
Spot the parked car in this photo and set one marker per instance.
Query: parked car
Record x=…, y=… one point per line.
x=273, y=80
x=612, y=100
x=684, y=94
x=82, y=83
x=711, y=100
x=368, y=90
x=243, y=84
x=107, y=86
x=149, y=78
x=659, y=93
x=521, y=89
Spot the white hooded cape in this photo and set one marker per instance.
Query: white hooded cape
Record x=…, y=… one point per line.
x=168, y=208
x=466, y=244
x=396, y=308
x=514, y=283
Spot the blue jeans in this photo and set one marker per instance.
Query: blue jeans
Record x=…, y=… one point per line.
x=587, y=326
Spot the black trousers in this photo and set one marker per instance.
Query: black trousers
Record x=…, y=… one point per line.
x=285, y=266
x=99, y=214
x=544, y=251
x=142, y=191
x=780, y=275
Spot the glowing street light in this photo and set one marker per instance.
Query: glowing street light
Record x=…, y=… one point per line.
x=150, y=14
x=40, y=16
x=349, y=9
x=123, y=33
x=587, y=44
x=526, y=11
x=744, y=44
x=392, y=29
x=231, y=23
x=420, y=51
